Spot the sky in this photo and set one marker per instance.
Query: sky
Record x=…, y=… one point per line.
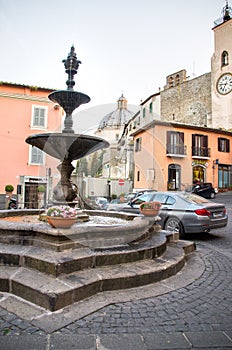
x=125, y=46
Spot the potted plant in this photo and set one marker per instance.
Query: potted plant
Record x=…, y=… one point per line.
x=9, y=188
x=9, y=192
x=41, y=188
x=150, y=208
x=62, y=216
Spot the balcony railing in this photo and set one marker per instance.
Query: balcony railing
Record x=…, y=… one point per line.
x=176, y=150
x=201, y=152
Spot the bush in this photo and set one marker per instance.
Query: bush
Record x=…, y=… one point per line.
x=9, y=188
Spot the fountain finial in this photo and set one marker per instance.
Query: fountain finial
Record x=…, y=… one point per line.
x=71, y=66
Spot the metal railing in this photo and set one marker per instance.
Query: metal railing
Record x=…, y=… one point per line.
x=201, y=152
x=176, y=149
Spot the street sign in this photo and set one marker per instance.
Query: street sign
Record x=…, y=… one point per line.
x=121, y=182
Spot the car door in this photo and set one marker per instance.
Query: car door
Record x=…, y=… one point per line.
x=166, y=209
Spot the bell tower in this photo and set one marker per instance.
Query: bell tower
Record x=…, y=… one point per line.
x=221, y=71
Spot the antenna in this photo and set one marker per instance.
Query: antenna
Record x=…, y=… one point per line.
x=193, y=73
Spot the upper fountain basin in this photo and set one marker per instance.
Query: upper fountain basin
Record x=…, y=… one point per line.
x=69, y=100
x=67, y=145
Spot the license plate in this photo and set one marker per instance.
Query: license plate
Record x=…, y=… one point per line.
x=217, y=215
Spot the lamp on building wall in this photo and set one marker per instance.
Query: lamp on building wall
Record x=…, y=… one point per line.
x=215, y=162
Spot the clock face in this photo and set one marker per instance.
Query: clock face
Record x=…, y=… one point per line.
x=224, y=84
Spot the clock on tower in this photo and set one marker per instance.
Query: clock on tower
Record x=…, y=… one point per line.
x=224, y=84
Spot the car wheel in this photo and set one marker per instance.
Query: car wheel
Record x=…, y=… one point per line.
x=174, y=225
x=212, y=195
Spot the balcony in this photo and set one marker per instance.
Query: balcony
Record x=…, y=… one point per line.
x=176, y=150
x=201, y=152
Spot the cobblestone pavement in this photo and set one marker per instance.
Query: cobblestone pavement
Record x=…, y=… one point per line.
x=205, y=305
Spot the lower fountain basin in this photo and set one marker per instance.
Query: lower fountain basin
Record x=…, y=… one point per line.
x=124, y=229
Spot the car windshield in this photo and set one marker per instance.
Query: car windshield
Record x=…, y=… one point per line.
x=192, y=198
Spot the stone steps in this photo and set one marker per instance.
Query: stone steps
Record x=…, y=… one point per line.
x=56, y=263
x=54, y=293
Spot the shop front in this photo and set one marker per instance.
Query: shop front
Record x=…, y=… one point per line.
x=199, y=171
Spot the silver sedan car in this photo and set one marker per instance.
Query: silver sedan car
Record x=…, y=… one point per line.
x=181, y=211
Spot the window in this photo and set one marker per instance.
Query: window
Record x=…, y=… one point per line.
x=177, y=79
x=160, y=197
x=171, y=82
x=138, y=143
x=200, y=146
x=223, y=145
x=224, y=176
x=144, y=112
x=175, y=143
x=39, y=117
x=138, y=175
x=225, y=58
x=36, y=156
x=150, y=107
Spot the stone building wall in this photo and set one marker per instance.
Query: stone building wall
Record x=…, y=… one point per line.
x=188, y=102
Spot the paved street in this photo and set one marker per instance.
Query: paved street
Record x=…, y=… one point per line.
x=193, y=316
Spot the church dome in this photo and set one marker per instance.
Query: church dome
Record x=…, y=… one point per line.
x=118, y=117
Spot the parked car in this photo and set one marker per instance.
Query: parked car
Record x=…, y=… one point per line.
x=205, y=190
x=101, y=202
x=181, y=211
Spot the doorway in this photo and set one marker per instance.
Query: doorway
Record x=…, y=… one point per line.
x=198, y=174
x=174, y=177
x=33, y=198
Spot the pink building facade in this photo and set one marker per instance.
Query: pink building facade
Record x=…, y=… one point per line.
x=26, y=110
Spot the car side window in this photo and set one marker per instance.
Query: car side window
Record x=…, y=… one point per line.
x=170, y=200
x=162, y=198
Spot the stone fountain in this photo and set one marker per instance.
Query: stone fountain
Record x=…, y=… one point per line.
x=54, y=268
x=67, y=146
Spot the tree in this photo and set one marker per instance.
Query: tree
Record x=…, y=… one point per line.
x=96, y=164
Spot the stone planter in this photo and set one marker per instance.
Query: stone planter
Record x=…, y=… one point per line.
x=59, y=222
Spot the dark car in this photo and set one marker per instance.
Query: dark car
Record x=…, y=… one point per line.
x=181, y=211
x=205, y=190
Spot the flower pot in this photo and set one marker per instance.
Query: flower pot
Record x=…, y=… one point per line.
x=149, y=212
x=58, y=222
x=150, y=208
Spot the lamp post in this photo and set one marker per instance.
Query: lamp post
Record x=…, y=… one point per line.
x=109, y=190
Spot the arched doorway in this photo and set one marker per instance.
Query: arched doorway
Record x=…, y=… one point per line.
x=198, y=173
x=174, y=177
